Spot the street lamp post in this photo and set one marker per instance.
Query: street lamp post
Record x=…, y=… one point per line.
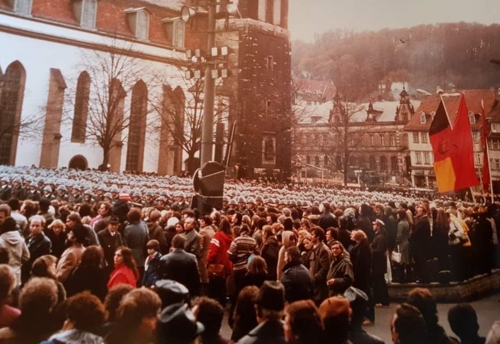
x=209, y=90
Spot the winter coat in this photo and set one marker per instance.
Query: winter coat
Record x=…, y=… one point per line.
x=18, y=251
x=122, y=274
x=421, y=237
x=361, y=258
x=69, y=260
x=88, y=278
x=151, y=270
x=156, y=233
x=217, y=253
x=109, y=244
x=136, y=236
x=270, y=331
x=269, y=251
x=182, y=267
x=206, y=235
x=193, y=243
x=402, y=241
x=379, y=248
x=327, y=220
x=75, y=336
x=319, y=263
x=297, y=281
x=342, y=273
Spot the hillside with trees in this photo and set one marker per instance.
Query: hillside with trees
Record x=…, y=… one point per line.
x=426, y=56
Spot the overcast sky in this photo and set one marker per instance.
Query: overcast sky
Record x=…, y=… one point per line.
x=308, y=17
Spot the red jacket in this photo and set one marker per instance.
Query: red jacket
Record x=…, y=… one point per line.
x=217, y=253
x=122, y=274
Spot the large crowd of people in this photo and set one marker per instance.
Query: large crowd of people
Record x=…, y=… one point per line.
x=97, y=257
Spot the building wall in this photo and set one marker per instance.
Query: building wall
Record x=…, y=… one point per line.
x=40, y=45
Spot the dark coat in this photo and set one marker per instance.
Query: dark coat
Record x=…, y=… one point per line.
x=136, y=236
x=361, y=258
x=342, y=273
x=156, y=232
x=5, y=193
x=327, y=220
x=379, y=247
x=421, y=237
x=270, y=331
x=182, y=267
x=19, y=193
x=109, y=245
x=38, y=246
x=87, y=278
x=319, y=263
x=152, y=273
x=269, y=251
x=297, y=281
x=365, y=224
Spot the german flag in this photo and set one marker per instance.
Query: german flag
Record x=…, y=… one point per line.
x=452, y=148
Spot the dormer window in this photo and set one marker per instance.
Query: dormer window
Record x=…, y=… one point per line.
x=472, y=118
x=175, y=30
x=422, y=118
x=21, y=6
x=85, y=12
x=138, y=21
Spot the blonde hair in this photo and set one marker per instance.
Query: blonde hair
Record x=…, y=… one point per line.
x=58, y=223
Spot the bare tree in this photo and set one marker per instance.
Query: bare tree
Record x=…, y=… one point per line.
x=181, y=117
x=112, y=75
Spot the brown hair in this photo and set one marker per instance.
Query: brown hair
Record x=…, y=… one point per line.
x=41, y=265
x=136, y=305
x=257, y=266
x=86, y=311
x=305, y=321
x=128, y=260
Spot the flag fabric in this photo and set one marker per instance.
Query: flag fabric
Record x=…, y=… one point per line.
x=485, y=131
x=452, y=148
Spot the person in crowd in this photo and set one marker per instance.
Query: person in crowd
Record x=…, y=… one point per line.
x=482, y=242
x=137, y=318
x=38, y=244
x=45, y=266
x=192, y=237
x=210, y=313
x=379, y=264
x=14, y=243
x=21, y=221
x=178, y=325
x=402, y=246
x=335, y=313
x=171, y=292
x=37, y=321
x=152, y=264
x=125, y=268
x=89, y=275
x=458, y=240
x=269, y=251
x=303, y=323
x=156, y=231
x=288, y=239
x=463, y=322
x=44, y=211
x=340, y=275
x=136, y=236
x=72, y=255
x=218, y=259
x=110, y=239
x=181, y=266
x=85, y=315
x=331, y=235
x=440, y=248
x=74, y=220
x=269, y=306
x=366, y=217
x=319, y=259
x=420, y=244
x=8, y=314
x=422, y=299
x=100, y=222
x=408, y=326
x=206, y=234
x=257, y=272
x=244, y=316
x=344, y=231
x=296, y=279
x=111, y=304
x=327, y=219
x=57, y=234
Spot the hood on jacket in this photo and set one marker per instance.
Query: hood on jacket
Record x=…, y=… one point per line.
x=12, y=238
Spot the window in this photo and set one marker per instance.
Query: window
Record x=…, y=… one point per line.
x=423, y=136
x=382, y=140
x=495, y=144
x=477, y=159
x=138, y=20
x=277, y=12
x=372, y=162
x=82, y=95
x=85, y=12
x=416, y=138
x=269, y=62
x=392, y=139
x=12, y=92
x=175, y=30
x=427, y=158
x=269, y=149
x=23, y=7
x=137, y=128
x=326, y=161
x=262, y=10
x=476, y=136
x=495, y=127
x=497, y=164
x=394, y=163
x=422, y=118
x=308, y=160
x=383, y=163
x=316, y=160
x=418, y=156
